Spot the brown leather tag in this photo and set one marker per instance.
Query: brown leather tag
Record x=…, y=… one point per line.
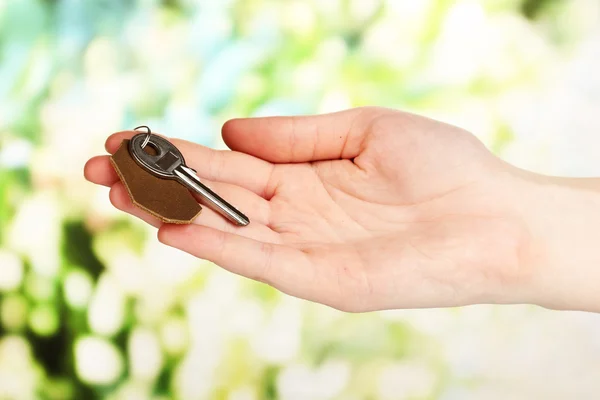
x=166, y=199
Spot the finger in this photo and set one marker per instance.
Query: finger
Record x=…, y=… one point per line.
x=283, y=267
x=255, y=207
x=217, y=165
x=254, y=230
x=119, y=197
x=301, y=138
x=252, y=205
x=98, y=170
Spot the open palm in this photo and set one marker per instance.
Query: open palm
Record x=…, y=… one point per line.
x=361, y=210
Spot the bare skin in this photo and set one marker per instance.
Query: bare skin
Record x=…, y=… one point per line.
x=371, y=208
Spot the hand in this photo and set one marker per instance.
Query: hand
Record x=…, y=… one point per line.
x=361, y=210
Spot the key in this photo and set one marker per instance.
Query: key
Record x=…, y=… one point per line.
x=168, y=163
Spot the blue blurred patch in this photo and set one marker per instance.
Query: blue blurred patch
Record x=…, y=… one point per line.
x=218, y=81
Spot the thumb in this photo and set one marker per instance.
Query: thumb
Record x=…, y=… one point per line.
x=336, y=135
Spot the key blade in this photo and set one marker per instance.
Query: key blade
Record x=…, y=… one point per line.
x=216, y=202
x=168, y=162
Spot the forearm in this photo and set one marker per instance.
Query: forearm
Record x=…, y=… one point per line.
x=563, y=253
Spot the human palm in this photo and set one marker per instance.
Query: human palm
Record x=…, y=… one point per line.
x=361, y=210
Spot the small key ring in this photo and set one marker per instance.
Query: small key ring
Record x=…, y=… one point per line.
x=147, y=138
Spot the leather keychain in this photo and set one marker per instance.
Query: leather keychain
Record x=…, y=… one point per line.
x=159, y=181
x=165, y=199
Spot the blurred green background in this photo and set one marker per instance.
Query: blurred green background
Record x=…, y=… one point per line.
x=92, y=306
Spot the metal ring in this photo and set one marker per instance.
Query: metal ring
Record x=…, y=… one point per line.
x=147, y=138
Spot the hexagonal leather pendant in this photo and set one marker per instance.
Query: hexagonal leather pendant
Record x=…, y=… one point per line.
x=165, y=199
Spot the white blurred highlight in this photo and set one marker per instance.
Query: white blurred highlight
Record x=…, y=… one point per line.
x=107, y=307
x=299, y=17
x=279, y=339
x=175, y=335
x=407, y=380
x=248, y=319
x=207, y=314
x=299, y=382
x=97, y=361
x=145, y=356
x=245, y=393
x=78, y=287
x=11, y=270
x=18, y=376
x=15, y=153
x=35, y=232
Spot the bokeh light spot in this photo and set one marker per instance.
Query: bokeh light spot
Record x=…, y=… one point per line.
x=78, y=288
x=97, y=361
x=11, y=271
x=43, y=319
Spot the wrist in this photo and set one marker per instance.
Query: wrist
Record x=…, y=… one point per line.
x=562, y=255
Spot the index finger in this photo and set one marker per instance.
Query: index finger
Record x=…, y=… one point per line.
x=217, y=165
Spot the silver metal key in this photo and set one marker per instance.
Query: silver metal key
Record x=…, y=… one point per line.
x=168, y=163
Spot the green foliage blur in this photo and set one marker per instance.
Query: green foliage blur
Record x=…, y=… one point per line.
x=92, y=306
